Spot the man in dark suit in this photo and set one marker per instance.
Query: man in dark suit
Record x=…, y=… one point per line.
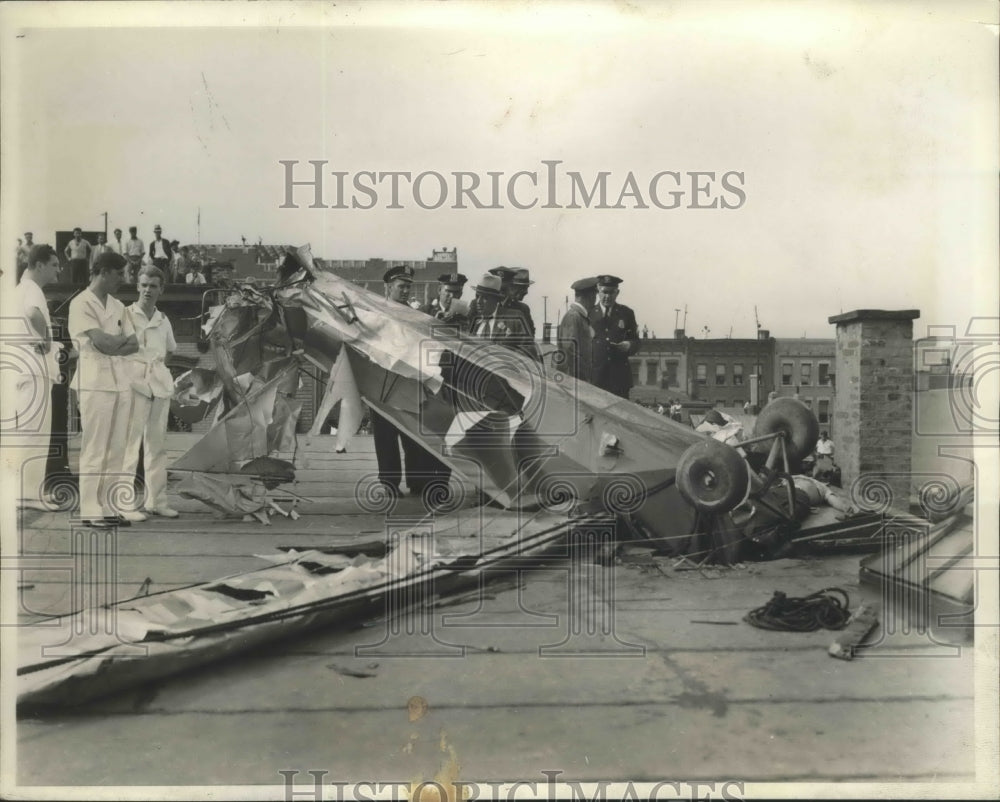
x=616, y=338
x=576, y=335
x=512, y=294
x=497, y=322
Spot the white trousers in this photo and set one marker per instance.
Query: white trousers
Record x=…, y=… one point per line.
x=148, y=427
x=104, y=488
x=27, y=440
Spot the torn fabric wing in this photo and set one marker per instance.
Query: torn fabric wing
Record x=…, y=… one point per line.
x=262, y=424
x=341, y=387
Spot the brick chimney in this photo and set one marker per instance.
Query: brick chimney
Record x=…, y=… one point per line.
x=873, y=405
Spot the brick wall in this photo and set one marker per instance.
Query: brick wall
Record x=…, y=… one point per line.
x=873, y=405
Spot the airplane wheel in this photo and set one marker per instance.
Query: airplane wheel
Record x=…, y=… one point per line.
x=793, y=418
x=712, y=477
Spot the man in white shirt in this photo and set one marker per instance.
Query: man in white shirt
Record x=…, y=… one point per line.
x=102, y=333
x=116, y=244
x=134, y=252
x=159, y=250
x=78, y=253
x=99, y=248
x=196, y=276
x=152, y=386
x=32, y=353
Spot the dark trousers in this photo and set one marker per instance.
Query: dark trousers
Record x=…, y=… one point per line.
x=422, y=467
x=79, y=271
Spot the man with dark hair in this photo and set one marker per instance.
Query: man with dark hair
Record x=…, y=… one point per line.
x=616, y=338
x=36, y=369
x=103, y=335
x=576, y=335
x=78, y=253
x=116, y=243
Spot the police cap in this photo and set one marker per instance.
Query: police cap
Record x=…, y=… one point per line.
x=404, y=272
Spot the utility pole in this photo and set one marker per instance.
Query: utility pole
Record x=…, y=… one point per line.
x=105, y=215
x=545, y=311
x=677, y=312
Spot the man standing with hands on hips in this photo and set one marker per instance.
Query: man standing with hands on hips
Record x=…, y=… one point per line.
x=103, y=336
x=616, y=338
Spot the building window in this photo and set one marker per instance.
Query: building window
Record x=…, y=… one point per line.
x=786, y=374
x=824, y=374
x=634, y=365
x=808, y=402
x=720, y=374
x=720, y=402
x=823, y=412
x=651, y=370
x=806, y=374
x=738, y=375
x=671, y=373
x=701, y=376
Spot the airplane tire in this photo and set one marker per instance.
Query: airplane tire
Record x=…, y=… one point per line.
x=712, y=477
x=793, y=418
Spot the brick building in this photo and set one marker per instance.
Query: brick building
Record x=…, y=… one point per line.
x=722, y=372
x=806, y=366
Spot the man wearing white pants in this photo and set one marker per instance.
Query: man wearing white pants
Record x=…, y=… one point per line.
x=152, y=387
x=98, y=325
x=31, y=352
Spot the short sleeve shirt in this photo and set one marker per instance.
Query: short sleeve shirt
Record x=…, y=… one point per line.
x=78, y=250
x=98, y=371
x=28, y=297
x=156, y=339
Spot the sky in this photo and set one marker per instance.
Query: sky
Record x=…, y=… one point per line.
x=864, y=135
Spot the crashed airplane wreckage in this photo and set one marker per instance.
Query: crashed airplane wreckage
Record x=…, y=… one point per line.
x=557, y=455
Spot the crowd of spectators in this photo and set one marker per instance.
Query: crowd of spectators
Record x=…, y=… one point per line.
x=180, y=264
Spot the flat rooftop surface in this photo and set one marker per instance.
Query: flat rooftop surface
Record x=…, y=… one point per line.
x=640, y=671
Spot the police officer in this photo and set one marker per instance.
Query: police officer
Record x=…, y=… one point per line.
x=576, y=334
x=422, y=467
x=450, y=288
x=616, y=338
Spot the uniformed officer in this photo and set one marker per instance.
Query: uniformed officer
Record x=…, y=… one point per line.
x=616, y=338
x=576, y=334
x=450, y=288
x=422, y=467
